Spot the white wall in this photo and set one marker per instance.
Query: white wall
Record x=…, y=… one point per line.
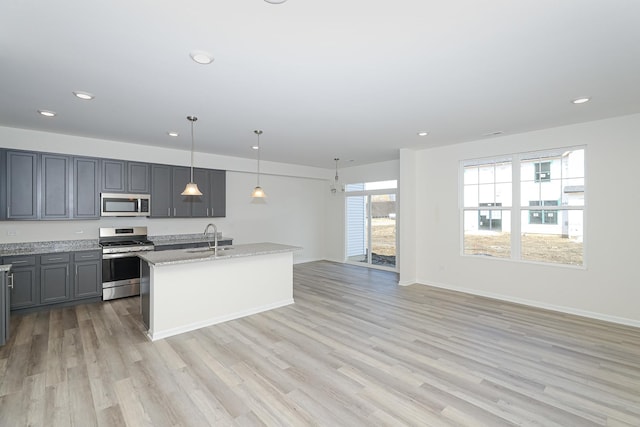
x=609, y=285
x=293, y=214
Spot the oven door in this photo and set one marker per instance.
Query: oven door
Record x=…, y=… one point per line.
x=120, y=275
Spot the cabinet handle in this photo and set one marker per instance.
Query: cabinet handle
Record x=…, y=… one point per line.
x=86, y=256
x=174, y=211
x=10, y=283
x=19, y=262
x=55, y=259
x=76, y=271
x=168, y=211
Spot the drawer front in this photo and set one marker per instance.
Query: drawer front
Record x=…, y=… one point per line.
x=57, y=258
x=20, y=260
x=87, y=255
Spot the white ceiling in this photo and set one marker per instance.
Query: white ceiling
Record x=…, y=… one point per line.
x=355, y=79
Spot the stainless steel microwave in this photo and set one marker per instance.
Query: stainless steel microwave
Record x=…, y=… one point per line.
x=120, y=204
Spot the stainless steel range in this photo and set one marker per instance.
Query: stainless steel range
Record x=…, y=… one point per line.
x=120, y=264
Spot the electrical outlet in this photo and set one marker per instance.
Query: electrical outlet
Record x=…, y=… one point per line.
x=12, y=233
x=79, y=231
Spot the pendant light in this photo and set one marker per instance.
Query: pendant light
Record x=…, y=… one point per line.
x=192, y=188
x=258, y=192
x=335, y=185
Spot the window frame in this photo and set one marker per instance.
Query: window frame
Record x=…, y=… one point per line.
x=517, y=207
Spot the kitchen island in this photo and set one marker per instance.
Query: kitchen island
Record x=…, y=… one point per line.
x=187, y=289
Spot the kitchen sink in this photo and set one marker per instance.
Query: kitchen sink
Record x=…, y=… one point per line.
x=203, y=250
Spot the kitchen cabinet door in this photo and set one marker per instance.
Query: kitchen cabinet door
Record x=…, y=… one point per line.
x=22, y=185
x=86, y=188
x=218, y=193
x=201, y=205
x=180, y=176
x=138, y=178
x=54, y=283
x=88, y=274
x=25, y=280
x=5, y=307
x=3, y=185
x=113, y=176
x=54, y=184
x=161, y=199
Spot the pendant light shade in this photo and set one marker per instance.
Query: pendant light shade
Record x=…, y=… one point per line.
x=258, y=192
x=192, y=188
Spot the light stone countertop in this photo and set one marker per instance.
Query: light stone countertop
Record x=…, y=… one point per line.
x=5, y=267
x=32, y=248
x=177, y=239
x=181, y=256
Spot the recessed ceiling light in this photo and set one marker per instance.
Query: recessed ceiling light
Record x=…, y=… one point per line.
x=173, y=133
x=581, y=100
x=201, y=57
x=84, y=95
x=255, y=147
x=423, y=133
x=275, y=1
x=47, y=113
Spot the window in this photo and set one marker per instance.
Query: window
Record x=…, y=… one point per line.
x=546, y=222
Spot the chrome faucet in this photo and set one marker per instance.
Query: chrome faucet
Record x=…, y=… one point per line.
x=215, y=236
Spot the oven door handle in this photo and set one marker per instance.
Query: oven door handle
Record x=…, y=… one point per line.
x=120, y=255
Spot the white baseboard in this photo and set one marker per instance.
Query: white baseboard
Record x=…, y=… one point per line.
x=407, y=282
x=154, y=336
x=538, y=304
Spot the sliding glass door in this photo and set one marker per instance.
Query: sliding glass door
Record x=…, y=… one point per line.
x=371, y=226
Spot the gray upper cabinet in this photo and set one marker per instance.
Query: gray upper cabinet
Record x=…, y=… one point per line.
x=21, y=185
x=201, y=205
x=86, y=188
x=54, y=185
x=119, y=176
x=212, y=184
x=113, y=176
x=3, y=185
x=218, y=191
x=180, y=176
x=161, y=201
x=138, y=179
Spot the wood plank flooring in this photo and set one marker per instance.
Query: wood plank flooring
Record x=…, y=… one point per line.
x=354, y=350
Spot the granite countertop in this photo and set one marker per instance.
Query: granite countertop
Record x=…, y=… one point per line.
x=181, y=256
x=32, y=248
x=176, y=239
x=4, y=268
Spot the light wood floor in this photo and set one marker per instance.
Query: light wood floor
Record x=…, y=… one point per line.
x=354, y=350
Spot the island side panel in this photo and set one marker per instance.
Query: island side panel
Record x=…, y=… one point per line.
x=189, y=296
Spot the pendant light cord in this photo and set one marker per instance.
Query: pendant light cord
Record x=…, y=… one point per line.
x=192, y=146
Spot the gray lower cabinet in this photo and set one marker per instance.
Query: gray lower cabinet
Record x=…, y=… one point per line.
x=21, y=185
x=55, y=283
x=54, y=186
x=86, y=188
x=87, y=281
x=5, y=307
x=26, y=275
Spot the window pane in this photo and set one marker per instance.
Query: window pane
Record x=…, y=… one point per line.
x=486, y=174
x=470, y=175
x=503, y=172
x=503, y=194
x=529, y=191
x=487, y=194
x=555, y=236
x=550, y=190
x=357, y=228
x=487, y=232
x=383, y=230
x=470, y=196
x=573, y=164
